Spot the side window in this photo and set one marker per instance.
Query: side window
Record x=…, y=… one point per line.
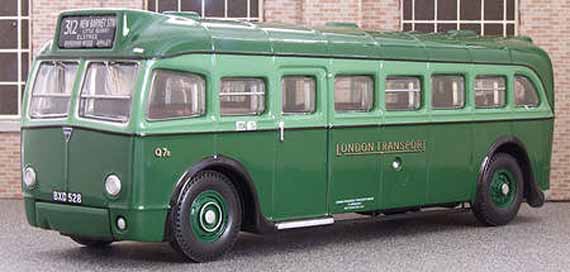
x=176, y=94
x=447, y=92
x=525, y=92
x=353, y=93
x=298, y=94
x=242, y=96
x=403, y=93
x=490, y=91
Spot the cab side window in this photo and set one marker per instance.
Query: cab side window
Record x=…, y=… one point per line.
x=353, y=93
x=525, y=92
x=447, y=92
x=298, y=94
x=176, y=95
x=402, y=93
x=490, y=91
x=242, y=96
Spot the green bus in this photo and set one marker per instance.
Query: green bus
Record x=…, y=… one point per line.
x=170, y=127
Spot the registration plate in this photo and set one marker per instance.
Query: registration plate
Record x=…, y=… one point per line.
x=67, y=197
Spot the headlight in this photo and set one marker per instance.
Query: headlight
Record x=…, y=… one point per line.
x=113, y=185
x=29, y=177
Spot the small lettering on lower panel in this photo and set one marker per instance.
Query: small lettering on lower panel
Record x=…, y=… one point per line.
x=354, y=204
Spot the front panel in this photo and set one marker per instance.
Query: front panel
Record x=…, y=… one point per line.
x=44, y=149
x=94, y=155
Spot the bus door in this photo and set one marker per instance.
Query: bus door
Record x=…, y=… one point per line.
x=301, y=170
x=404, y=137
x=354, y=118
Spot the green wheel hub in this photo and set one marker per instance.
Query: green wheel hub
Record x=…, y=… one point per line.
x=503, y=188
x=209, y=216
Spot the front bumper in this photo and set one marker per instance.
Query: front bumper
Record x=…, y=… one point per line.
x=98, y=223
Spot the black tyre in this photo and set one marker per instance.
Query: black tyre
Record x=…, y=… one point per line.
x=206, y=219
x=90, y=242
x=500, y=192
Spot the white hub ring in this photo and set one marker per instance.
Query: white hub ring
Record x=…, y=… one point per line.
x=210, y=217
x=505, y=189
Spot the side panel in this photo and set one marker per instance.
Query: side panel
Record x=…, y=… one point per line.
x=154, y=186
x=354, y=175
x=256, y=152
x=489, y=124
x=255, y=145
x=536, y=135
x=451, y=169
x=155, y=179
x=301, y=176
x=192, y=139
x=406, y=185
x=405, y=135
x=537, y=147
x=485, y=135
x=300, y=188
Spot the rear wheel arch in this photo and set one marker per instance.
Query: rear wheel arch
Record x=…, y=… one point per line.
x=252, y=219
x=515, y=147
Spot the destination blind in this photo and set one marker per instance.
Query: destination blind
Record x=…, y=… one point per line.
x=93, y=31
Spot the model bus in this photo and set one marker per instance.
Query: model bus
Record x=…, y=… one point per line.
x=170, y=127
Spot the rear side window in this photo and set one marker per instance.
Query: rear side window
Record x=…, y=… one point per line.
x=525, y=92
x=176, y=95
x=490, y=91
x=353, y=93
x=447, y=92
x=107, y=91
x=298, y=94
x=52, y=89
x=403, y=93
x=242, y=96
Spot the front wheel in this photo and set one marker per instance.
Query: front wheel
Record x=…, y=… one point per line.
x=500, y=193
x=206, y=219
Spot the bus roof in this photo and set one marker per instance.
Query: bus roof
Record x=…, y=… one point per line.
x=142, y=34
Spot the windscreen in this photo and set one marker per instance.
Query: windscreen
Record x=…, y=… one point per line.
x=52, y=89
x=107, y=91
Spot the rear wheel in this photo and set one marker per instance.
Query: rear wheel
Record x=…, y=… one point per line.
x=500, y=193
x=206, y=219
x=90, y=242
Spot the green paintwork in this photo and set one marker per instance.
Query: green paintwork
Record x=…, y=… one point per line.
x=302, y=176
x=204, y=230
x=90, y=222
x=500, y=178
x=164, y=36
